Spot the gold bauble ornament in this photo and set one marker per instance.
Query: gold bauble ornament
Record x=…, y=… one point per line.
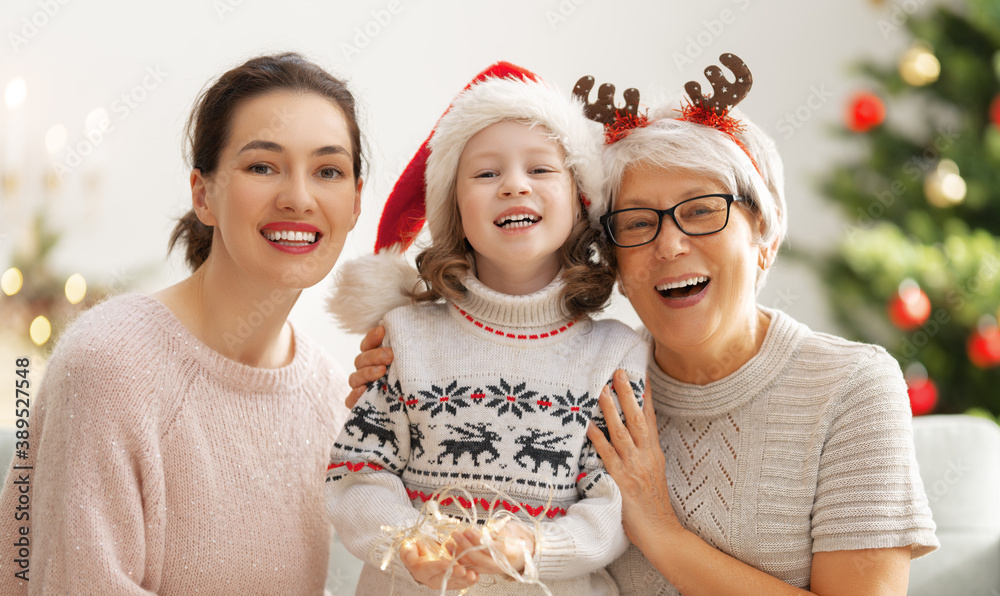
x=943, y=186
x=919, y=66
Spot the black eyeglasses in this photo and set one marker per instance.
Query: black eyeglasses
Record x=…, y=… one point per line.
x=699, y=216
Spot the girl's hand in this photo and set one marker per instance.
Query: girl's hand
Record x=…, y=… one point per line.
x=430, y=571
x=369, y=366
x=515, y=539
x=636, y=462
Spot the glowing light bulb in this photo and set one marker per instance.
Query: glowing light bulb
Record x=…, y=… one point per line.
x=15, y=93
x=11, y=281
x=76, y=288
x=40, y=330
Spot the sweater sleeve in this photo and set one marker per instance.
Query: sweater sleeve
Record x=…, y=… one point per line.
x=96, y=492
x=364, y=491
x=590, y=536
x=869, y=493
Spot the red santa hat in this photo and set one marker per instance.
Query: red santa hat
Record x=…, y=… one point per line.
x=367, y=288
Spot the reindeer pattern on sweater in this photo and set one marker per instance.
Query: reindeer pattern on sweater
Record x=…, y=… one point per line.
x=493, y=393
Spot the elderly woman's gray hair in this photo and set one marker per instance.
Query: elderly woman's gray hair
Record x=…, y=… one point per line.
x=697, y=149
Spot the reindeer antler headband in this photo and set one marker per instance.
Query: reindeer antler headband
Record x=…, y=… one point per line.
x=713, y=110
x=709, y=110
x=726, y=94
x=618, y=122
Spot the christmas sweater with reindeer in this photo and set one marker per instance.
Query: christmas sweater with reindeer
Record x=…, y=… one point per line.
x=494, y=392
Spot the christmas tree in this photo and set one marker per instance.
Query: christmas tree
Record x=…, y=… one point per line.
x=918, y=269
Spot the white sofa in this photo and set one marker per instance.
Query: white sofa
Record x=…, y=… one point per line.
x=959, y=460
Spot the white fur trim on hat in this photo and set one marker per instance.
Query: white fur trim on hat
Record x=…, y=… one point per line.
x=366, y=288
x=495, y=100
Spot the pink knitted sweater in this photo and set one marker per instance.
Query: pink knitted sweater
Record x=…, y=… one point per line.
x=160, y=466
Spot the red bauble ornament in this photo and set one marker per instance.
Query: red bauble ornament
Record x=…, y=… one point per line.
x=984, y=347
x=864, y=112
x=923, y=396
x=995, y=111
x=910, y=307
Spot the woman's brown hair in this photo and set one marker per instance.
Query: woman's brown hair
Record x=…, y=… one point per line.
x=208, y=126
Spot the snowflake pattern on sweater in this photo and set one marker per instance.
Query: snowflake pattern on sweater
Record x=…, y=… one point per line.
x=494, y=393
x=372, y=427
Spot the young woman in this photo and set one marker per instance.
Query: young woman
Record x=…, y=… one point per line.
x=178, y=439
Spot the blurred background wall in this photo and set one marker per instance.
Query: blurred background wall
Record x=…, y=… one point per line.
x=120, y=78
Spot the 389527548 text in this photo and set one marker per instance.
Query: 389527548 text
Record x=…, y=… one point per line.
x=21, y=470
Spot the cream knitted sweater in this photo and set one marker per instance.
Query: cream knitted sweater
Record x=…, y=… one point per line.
x=497, y=392
x=160, y=466
x=807, y=448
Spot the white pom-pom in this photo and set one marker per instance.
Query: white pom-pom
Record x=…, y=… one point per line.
x=365, y=289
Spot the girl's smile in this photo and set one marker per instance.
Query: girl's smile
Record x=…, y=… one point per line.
x=517, y=219
x=517, y=202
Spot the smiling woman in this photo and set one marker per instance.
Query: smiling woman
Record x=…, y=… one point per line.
x=768, y=459
x=299, y=181
x=183, y=436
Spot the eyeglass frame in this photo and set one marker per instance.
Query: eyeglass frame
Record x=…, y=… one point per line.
x=730, y=199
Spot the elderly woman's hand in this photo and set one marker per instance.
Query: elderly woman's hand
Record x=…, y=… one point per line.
x=635, y=461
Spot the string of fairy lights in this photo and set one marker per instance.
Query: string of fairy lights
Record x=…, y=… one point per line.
x=40, y=329
x=37, y=301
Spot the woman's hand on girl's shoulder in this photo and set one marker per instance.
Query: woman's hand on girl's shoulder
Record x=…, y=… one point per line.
x=635, y=461
x=370, y=364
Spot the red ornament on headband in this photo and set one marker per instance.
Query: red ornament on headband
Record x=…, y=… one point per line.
x=713, y=110
x=618, y=122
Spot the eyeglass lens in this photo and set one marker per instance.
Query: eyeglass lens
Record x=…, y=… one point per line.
x=702, y=215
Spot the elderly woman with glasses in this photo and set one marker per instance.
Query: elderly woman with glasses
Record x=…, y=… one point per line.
x=766, y=458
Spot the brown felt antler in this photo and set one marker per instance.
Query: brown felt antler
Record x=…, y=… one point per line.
x=725, y=94
x=603, y=110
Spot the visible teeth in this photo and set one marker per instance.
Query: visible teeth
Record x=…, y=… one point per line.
x=681, y=284
x=522, y=220
x=290, y=236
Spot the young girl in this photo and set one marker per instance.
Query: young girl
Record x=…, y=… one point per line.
x=492, y=388
x=177, y=440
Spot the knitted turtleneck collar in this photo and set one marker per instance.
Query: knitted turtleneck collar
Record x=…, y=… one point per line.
x=540, y=310
x=783, y=340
